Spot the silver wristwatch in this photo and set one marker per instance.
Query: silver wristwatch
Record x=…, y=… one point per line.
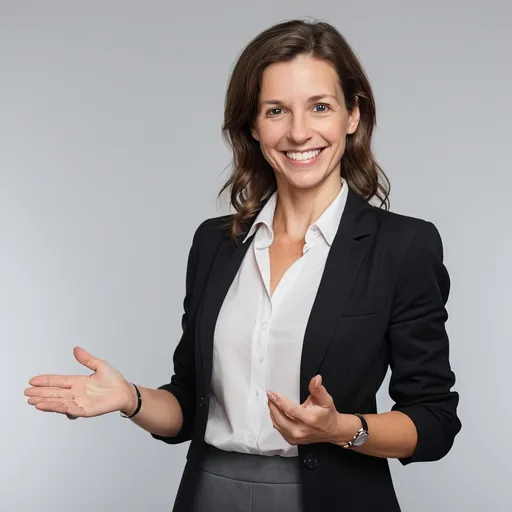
x=361, y=436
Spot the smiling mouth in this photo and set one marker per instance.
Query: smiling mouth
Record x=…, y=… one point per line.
x=303, y=157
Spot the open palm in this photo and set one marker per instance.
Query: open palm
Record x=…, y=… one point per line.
x=104, y=391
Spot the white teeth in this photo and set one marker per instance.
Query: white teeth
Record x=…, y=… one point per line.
x=308, y=155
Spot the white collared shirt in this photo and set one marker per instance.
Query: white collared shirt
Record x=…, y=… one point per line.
x=258, y=338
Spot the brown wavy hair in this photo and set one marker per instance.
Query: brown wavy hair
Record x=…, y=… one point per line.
x=252, y=179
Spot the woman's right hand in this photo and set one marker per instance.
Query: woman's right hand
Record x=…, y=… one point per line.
x=104, y=391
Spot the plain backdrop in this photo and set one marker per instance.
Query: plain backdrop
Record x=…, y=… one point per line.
x=111, y=155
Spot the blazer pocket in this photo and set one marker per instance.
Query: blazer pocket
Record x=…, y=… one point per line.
x=365, y=306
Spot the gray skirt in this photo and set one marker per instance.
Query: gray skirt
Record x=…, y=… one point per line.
x=239, y=482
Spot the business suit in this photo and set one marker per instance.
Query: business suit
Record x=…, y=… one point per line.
x=381, y=302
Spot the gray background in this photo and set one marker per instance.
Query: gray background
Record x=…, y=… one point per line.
x=111, y=155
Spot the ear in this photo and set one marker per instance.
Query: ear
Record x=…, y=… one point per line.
x=254, y=133
x=353, y=119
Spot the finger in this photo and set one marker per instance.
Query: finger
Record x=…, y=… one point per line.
x=294, y=432
x=315, y=382
x=281, y=420
x=59, y=381
x=308, y=402
x=290, y=430
x=61, y=408
x=275, y=422
x=49, y=392
x=88, y=360
x=319, y=393
x=37, y=399
x=288, y=407
x=284, y=433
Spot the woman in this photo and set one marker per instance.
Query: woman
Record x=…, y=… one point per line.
x=295, y=306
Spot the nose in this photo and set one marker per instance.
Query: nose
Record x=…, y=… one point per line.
x=300, y=130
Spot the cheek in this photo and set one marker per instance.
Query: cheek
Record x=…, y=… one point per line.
x=336, y=133
x=334, y=128
x=270, y=136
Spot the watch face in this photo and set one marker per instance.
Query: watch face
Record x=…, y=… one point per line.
x=361, y=439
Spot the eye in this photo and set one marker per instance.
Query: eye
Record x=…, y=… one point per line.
x=322, y=107
x=274, y=111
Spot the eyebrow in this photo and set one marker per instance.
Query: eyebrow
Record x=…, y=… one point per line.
x=317, y=97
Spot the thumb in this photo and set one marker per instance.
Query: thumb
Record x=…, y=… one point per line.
x=318, y=391
x=83, y=357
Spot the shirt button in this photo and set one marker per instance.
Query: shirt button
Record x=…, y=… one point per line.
x=261, y=359
x=257, y=394
x=251, y=439
x=264, y=325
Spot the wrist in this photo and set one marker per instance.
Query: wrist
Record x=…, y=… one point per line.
x=130, y=401
x=348, y=425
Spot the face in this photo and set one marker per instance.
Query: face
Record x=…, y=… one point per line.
x=302, y=123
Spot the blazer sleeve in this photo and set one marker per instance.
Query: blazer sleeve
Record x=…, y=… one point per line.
x=183, y=381
x=421, y=376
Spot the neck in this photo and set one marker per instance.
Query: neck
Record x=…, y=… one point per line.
x=296, y=209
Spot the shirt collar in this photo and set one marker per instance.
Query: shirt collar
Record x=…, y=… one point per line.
x=265, y=217
x=329, y=221
x=326, y=225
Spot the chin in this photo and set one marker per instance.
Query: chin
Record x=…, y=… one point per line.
x=307, y=182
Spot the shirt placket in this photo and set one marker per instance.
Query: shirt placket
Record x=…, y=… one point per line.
x=256, y=406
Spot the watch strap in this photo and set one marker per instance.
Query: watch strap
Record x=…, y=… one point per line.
x=139, y=405
x=360, y=432
x=363, y=420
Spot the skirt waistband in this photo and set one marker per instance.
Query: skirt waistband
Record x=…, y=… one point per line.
x=251, y=468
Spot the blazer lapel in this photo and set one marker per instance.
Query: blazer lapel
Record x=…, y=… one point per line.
x=341, y=268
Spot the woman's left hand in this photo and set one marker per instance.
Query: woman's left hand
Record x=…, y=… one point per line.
x=314, y=421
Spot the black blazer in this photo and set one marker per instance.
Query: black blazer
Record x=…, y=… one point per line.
x=381, y=301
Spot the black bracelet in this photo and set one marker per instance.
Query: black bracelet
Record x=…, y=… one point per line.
x=139, y=404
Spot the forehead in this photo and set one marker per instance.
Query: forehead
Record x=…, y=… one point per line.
x=301, y=77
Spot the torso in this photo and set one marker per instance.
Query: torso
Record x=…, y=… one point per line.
x=283, y=253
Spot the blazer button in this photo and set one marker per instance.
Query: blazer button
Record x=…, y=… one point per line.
x=201, y=401
x=310, y=462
